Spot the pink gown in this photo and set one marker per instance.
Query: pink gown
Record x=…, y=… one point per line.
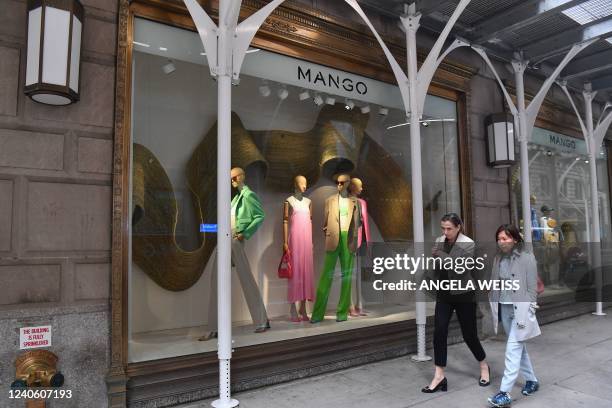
x=301, y=284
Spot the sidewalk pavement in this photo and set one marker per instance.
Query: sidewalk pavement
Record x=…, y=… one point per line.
x=572, y=359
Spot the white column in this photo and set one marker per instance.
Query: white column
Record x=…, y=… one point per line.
x=595, y=245
x=523, y=137
x=224, y=238
x=411, y=24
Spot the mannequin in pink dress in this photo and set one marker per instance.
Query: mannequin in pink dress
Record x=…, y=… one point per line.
x=363, y=244
x=297, y=239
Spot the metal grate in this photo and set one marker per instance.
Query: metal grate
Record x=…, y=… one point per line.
x=589, y=11
x=488, y=8
x=543, y=28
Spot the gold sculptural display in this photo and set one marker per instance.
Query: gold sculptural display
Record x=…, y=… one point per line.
x=337, y=143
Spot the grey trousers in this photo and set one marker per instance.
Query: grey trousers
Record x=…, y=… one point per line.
x=249, y=288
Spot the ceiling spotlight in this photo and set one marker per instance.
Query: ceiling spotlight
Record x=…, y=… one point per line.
x=383, y=111
x=265, y=91
x=318, y=100
x=365, y=109
x=282, y=94
x=349, y=104
x=169, y=67
x=586, y=161
x=425, y=124
x=304, y=95
x=330, y=100
x=549, y=153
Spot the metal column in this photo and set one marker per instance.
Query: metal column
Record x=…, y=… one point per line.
x=526, y=117
x=224, y=238
x=413, y=89
x=593, y=139
x=411, y=25
x=523, y=135
x=225, y=47
x=588, y=96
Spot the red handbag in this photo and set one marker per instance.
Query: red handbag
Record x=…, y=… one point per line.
x=284, y=267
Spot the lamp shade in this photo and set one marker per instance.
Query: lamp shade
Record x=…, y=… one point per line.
x=54, y=51
x=500, y=140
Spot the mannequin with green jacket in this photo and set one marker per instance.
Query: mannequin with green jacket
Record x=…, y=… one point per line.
x=247, y=214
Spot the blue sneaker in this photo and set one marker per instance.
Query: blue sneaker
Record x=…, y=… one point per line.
x=530, y=387
x=500, y=400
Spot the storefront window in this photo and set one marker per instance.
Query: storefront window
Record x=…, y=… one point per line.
x=561, y=209
x=290, y=118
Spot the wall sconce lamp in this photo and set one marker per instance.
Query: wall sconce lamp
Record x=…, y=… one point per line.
x=499, y=130
x=54, y=51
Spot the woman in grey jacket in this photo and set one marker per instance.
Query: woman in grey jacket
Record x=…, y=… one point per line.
x=515, y=307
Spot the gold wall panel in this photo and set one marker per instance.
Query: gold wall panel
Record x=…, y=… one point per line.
x=337, y=142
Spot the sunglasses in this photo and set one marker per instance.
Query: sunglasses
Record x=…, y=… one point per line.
x=341, y=183
x=235, y=178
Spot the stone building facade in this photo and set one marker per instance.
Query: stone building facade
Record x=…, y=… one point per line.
x=56, y=179
x=55, y=207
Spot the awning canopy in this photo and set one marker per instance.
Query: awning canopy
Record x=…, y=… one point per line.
x=544, y=30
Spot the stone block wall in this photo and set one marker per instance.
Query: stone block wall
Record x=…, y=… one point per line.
x=490, y=188
x=55, y=208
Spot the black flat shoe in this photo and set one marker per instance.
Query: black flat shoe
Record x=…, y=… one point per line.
x=484, y=383
x=442, y=386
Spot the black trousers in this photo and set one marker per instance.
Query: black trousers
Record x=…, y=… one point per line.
x=466, y=314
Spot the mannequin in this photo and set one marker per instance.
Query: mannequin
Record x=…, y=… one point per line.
x=297, y=239
x=551, y=237
x=363, y=245
x=341, y=223
x=246, y=217
x=535, y=225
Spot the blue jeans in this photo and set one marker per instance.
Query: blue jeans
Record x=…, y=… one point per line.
x=517, y=359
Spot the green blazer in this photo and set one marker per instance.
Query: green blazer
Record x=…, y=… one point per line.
x=249, y=212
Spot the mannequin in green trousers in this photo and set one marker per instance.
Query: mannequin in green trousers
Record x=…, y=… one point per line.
x=342, y=221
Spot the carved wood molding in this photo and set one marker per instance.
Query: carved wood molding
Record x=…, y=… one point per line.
x=305, y=33
x=116, y=378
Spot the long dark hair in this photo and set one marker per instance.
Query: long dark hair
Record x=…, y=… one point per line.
x=511, y=231
x=454, y=218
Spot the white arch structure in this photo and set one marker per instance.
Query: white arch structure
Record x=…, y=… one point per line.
x=226, y=46
x=525, y=116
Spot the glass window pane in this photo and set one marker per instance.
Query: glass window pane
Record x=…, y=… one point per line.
x=278, y=133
